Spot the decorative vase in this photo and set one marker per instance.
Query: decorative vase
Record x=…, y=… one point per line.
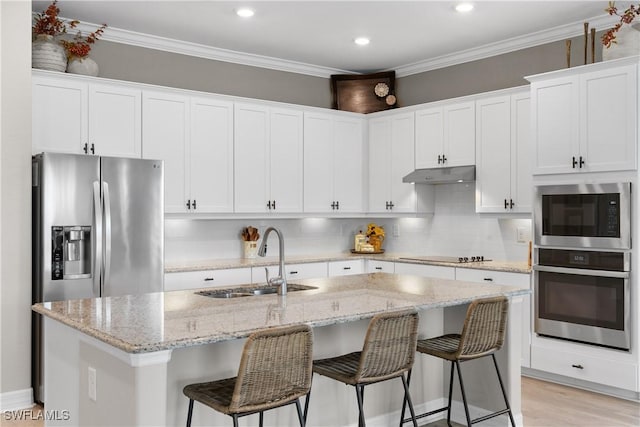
x=628, y=43
x=85, y=66
x=48, y=54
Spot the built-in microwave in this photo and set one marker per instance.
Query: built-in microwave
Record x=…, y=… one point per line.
x=583, y=215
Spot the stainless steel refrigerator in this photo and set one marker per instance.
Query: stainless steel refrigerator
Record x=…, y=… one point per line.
x=98, y=230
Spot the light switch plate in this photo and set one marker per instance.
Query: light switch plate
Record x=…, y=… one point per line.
x=522, y=235
x=91, y=380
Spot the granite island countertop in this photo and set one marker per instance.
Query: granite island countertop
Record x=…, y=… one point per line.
x=217, y=264
x=168, y=320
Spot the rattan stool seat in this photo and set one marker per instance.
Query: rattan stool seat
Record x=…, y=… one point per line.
x=444, y=347
x=275, y=370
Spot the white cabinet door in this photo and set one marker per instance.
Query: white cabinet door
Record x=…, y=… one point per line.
x=346, y=268
x=210, y=155
x=318, y=163
x=555, y=129
x=375, y=266
x=608, y=119
x=493, y=154
x=391, y=157
x=379, y=166
x=285, y=168
x=445, y=135
x=348, y=158
x=251, y=154
x=115, y=120
x=459, y=134
x=403, y=195
x=165, y=129
x=429, y=137
x=206, y=279
x=521, y=150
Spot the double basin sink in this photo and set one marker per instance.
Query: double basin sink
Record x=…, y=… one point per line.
x=251, y=291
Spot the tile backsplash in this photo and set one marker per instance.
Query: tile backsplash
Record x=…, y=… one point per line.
x=453, y=229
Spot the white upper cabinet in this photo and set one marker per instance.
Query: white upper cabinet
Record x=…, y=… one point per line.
x=74, y=116
x=209, y=168
x=333, y=164
x=165, y=135
x=267, y=159
x=503, y=174
x=585, y=120
x=391, y=157
x=445, y=135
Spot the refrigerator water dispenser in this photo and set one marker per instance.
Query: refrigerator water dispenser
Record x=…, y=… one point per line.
x=70, y=252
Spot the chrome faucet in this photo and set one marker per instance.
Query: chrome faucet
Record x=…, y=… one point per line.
x=281, y=280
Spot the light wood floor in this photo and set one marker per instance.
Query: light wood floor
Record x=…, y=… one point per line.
x=544, y=404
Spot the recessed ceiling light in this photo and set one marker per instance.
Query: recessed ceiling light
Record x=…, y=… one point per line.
x=464, y=7
x=245, y=12
x=362, y=41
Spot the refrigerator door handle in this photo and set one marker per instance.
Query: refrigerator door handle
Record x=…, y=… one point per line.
x=97, y=238
x=107, y=235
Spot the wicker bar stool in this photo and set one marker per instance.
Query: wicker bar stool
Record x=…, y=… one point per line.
x=482, y=335
x=388, y=352
x=275, y=370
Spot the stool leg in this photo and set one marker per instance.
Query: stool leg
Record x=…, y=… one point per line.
x=450, y=394
x=407, y=395
x=464, y=397
x=504, y=393
x=404, y=401
x=300, y=416
x=360, y=397
x=190, y=413
x=235, y=420
x=261, y=420
x=306, y=406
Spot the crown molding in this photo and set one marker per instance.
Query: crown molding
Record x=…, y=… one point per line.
x=510, y=45
x=149, y=41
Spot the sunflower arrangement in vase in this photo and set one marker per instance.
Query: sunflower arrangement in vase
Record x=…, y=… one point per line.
x=375, y=234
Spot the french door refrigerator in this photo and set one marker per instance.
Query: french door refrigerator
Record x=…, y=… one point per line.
x=98, y=231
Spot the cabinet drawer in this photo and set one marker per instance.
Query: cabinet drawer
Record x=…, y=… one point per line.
x=293, y=271
x=374, y=266
x=588, y=368
x=206, y=279
x=345, y=268
x=520, y=280
x=436, y=271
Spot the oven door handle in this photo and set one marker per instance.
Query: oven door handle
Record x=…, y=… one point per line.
x=581, y=272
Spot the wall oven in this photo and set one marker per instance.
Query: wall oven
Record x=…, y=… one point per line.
x=583, y=296
x=583, y=215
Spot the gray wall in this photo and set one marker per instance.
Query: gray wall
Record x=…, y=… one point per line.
x=15, y=200
x=131, y=63
x=136, y=64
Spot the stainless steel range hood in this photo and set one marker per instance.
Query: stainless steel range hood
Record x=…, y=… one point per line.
x=444, y=175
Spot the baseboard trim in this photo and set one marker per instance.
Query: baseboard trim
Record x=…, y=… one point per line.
x=19, y=399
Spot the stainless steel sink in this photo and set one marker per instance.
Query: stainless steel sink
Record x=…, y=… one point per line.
x=251, y=291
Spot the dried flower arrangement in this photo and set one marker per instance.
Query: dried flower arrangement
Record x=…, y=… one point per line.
x=609, y=37
x=48, y=23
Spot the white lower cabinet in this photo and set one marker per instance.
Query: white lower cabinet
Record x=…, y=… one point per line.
x=346, y=268
x=375, y=266
x=206, y=279
x=557, y=358
x=309, y=270
x=506, y=278
x=435, y=271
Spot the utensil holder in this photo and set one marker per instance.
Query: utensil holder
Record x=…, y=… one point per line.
x=250, y=249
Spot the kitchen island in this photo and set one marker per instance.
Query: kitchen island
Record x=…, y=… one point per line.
x=124, y=360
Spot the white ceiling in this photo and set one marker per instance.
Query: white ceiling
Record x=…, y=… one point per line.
x=317, y=36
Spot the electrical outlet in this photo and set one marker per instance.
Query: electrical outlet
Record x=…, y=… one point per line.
x=396, y=230
x=522, y=235
x=92, y=378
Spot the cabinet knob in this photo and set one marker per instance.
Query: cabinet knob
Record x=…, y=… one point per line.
x=337, y=205
x=581, y=163
x=511, y=204
x=85, y=148
x=93, y=150
x=573, y=162
x=378, y=268
x=293, y=272
x=194, y=204
x=269, y=204
x=506, y=205
x=333, y=206
x=444, y=159
x=274, y=205
x=346, y=268
x=208, y=279
x=488, y=279
x=439, y=159
x=391, y=205
x=577, y=366
x=189, y=204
